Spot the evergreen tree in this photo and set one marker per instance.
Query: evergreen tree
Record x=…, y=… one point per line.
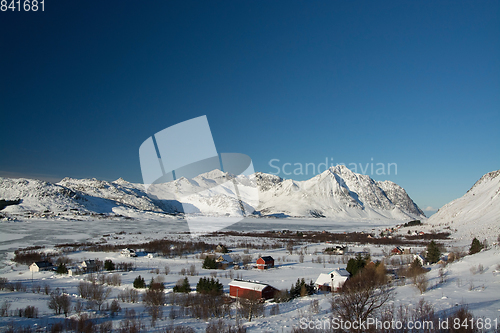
x=109, y=265
x=209, y=263
x=433, y=252
x=61, y=269
x=475, y=246
x=182, y=286
x=354, y=265
x=139, y=282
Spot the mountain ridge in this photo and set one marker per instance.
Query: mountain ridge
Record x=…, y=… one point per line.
x=336, y=193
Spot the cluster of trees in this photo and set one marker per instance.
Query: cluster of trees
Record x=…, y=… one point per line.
x=298, y=289
x=60, y=302
x=95, y=292
x=209, y=286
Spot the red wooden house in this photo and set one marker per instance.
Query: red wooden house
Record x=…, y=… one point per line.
x=265, y=262
x=251, y=290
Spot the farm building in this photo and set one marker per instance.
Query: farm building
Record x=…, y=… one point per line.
x=338, y=277
x=251, y=290
x=40, y=266
x=265, y=262
x=128, y=253
x=89, y=265
x=224, y=259
x=420, y=258
x=397, y=250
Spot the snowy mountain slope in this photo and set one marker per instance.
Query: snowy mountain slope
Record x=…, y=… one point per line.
x=83, y=195
x=476, y=214
x=336, y=193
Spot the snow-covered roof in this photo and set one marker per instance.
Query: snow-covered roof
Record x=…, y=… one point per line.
x=249, y=285
x=340, y=272
x=326, y=280
x=226, y=258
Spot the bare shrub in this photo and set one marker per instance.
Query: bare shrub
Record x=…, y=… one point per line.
x=129, y=295
x=166, y=270
x=421, y=282
x=314, y=306
x=192, y=270
x=251, y=307
x=114, y=307
x=220, y=326
x=4, y=308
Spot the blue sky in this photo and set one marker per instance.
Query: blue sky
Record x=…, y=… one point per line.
x=84, y=83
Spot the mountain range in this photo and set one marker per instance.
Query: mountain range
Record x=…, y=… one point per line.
x=336, y=193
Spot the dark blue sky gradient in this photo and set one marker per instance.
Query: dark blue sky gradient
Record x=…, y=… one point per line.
x=84, y=83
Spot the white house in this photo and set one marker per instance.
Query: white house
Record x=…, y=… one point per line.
x=420, y=258
x=40, y=266
x=128, y=253
x=152, y=255
x=89, y=265
x=332, y=280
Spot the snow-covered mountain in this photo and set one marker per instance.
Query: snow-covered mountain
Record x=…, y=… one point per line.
x=336, y=193
x=475, y=214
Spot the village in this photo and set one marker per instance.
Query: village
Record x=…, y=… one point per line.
x=253, y=276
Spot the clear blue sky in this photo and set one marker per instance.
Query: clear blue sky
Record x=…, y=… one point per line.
x=416, y=83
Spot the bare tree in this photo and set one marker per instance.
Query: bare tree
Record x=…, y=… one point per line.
x=362, y=296
x=60, y=303
x=250, y=307
x=155, y=299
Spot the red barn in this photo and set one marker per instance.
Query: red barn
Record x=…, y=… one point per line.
x=251, y=290
x=265, y=262
x=397, y=250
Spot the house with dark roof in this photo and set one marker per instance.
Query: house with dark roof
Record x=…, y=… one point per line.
x=40, y=266
x=265, y=262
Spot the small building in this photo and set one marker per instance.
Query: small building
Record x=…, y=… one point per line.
x=397, y=250
x=128, y=253
x=221, y=249
x=265, y=262
x=421, y=259
x=152, y=255
x=333, y=280
x=251, y=290
x=40, y=266
x=89, y=265
x=224, y=259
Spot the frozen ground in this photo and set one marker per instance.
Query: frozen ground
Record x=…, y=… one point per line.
x=465, y=284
